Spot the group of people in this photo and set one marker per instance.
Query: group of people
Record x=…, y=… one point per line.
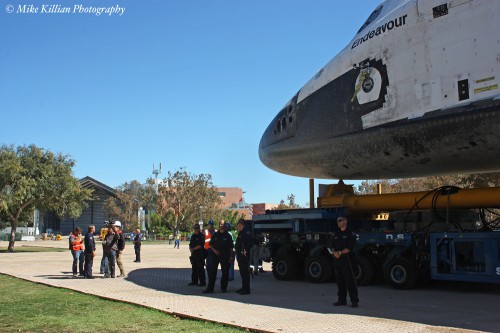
x=83, y=252
x=211, y=249
x=113, y=245
x=214, y=248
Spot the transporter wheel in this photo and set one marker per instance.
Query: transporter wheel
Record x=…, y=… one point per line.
x=285, y=267
x=400, y=273
x=365, y=270
x=318, y=269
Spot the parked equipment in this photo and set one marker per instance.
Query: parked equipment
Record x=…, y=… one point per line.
x=403, y=238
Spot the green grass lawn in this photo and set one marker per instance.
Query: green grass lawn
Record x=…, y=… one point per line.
x=30, y=307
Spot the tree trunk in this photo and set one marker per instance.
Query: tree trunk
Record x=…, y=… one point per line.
x=12, y=235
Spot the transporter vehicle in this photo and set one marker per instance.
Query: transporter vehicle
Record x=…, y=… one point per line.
x=404, y=238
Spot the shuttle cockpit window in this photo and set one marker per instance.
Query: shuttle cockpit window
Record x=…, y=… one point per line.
x=371, y=18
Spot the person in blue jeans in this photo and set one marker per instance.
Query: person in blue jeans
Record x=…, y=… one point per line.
x=110, y=248
x=177, y=240
x=137, y=245
x=104, y=260
x=76, y=246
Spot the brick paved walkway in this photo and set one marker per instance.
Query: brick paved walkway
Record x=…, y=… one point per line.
x=160, y=281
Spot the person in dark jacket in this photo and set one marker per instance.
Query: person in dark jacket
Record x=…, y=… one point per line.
x=197, y=259
x=137, y=245
x=344, y=241
x=222, y=253
x=244, y=242
x=89, y=252
x=110, y=247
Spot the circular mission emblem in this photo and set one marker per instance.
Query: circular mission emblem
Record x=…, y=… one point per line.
x=367, y=85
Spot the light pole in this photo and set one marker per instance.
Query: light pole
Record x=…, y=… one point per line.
x=201, y=217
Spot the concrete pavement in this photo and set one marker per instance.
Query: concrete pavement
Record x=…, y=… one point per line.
x=160, y=282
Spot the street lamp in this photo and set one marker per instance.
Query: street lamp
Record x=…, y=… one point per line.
x=201, y=217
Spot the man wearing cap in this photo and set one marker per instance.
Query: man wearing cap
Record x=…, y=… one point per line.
x=222, y=253
x=121, y=247
x=197, y=261
x=244, y=243
x=343, y=244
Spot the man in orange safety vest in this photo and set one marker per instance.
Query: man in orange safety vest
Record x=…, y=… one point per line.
x=208, y=236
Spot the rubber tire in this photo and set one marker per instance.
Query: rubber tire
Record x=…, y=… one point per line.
x=318, y=269
x=366, y=271
x=285, y=267
x=400, y=273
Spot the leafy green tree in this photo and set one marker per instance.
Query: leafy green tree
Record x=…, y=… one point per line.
x=155, y=221
x=184, y=196
x=231, y=216
x=34, y=177
x=124, y=207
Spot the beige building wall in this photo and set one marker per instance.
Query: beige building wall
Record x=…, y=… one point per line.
x=232, y=199
x=260, y=208
x=230, y=196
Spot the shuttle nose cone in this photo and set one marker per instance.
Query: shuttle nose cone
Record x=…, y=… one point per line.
x=265, y=146
x=277, y=140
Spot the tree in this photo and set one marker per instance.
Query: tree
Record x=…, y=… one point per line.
x=370, y=186
x=124, y=207
x=185, y=195
x=429, y=183
x=34, y=177
x=231, y=216
x=291, y=203
x=156, y=221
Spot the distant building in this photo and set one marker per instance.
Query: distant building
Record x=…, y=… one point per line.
x=260, y=208
x=95, y=213
x=232, y=199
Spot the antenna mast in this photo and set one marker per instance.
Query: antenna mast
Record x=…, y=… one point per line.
x=156, y=172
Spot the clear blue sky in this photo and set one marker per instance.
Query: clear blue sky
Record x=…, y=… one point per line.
x=189, y=83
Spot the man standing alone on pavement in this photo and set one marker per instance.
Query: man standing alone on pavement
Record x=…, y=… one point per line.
x=121, y=247
x=89, y=252
x=343, y=244
x=244, y=243
x=222, y=252
x=137, y=245
x=196, y=244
